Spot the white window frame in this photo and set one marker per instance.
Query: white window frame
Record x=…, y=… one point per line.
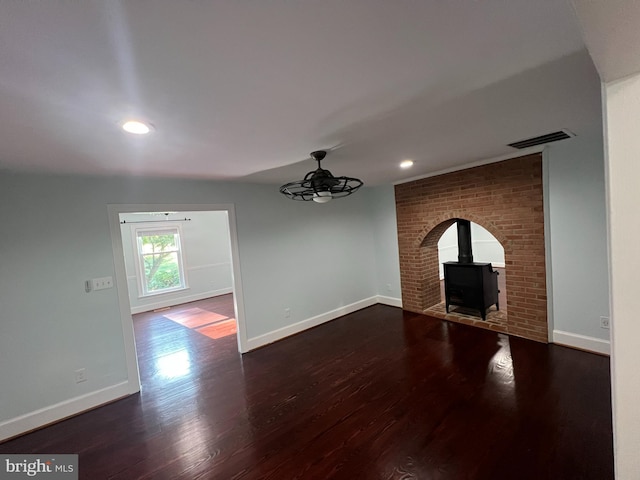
x=142, y=279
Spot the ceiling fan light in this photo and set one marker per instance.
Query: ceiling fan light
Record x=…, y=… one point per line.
x=322, y=197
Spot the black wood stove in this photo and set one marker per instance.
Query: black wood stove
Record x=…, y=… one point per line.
x=467, y=283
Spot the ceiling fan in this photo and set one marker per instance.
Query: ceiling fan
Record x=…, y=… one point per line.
x=320, y=185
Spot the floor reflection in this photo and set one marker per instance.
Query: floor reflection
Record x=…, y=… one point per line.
x=500, y=382
x=174, y=365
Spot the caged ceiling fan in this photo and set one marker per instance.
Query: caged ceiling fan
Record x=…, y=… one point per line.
x=320, y=185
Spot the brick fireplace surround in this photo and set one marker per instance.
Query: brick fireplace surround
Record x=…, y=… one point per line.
x=505, y=198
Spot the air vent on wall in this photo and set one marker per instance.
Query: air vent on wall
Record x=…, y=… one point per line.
x=542, y=139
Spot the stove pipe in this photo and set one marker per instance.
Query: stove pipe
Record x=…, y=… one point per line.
x=465, y=253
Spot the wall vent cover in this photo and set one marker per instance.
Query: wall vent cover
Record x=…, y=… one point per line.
x=542, y=139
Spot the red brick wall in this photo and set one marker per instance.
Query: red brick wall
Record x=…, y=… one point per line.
x=505, y=198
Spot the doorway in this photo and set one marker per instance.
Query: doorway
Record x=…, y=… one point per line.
x=125, y=288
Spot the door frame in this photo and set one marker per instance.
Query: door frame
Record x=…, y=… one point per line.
x=114, y=212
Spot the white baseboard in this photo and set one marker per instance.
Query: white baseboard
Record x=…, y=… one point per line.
x=170, y=302
x=391, y=301
x=39, y=418
x=582, y=342
x=279, y=334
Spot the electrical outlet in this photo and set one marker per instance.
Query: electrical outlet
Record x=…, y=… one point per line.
x=102, y=283
x=604, y=322
x=388, y=287
x=287, y=312
x=81, y=375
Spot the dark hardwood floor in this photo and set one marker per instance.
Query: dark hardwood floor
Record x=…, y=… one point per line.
x=378, y=394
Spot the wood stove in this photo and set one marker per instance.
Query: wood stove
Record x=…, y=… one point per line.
x=467, y=283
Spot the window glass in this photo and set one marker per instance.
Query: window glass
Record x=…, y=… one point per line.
x=160, y=258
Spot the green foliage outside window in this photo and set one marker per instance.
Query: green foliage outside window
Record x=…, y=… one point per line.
x=161, y=264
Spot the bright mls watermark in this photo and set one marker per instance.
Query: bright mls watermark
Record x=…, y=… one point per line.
x=52, y=467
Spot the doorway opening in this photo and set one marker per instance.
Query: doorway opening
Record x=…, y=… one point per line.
x=177, y=264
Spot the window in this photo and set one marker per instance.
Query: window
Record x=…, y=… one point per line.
x=160, y=260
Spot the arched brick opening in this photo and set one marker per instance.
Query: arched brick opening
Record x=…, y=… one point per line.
x=428, y=249
x=429, y=257
x=505, y=198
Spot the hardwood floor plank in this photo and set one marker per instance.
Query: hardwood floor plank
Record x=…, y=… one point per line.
x=377, y=394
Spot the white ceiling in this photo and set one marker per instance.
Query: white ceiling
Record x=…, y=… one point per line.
x=612, y=34
x=244, y=90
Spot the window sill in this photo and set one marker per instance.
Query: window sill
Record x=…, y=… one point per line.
x=163, y=292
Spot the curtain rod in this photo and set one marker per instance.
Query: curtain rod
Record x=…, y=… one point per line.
x=158, y=221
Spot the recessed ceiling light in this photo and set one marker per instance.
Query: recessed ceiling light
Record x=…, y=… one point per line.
x=136, y=127
x=406, y=164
